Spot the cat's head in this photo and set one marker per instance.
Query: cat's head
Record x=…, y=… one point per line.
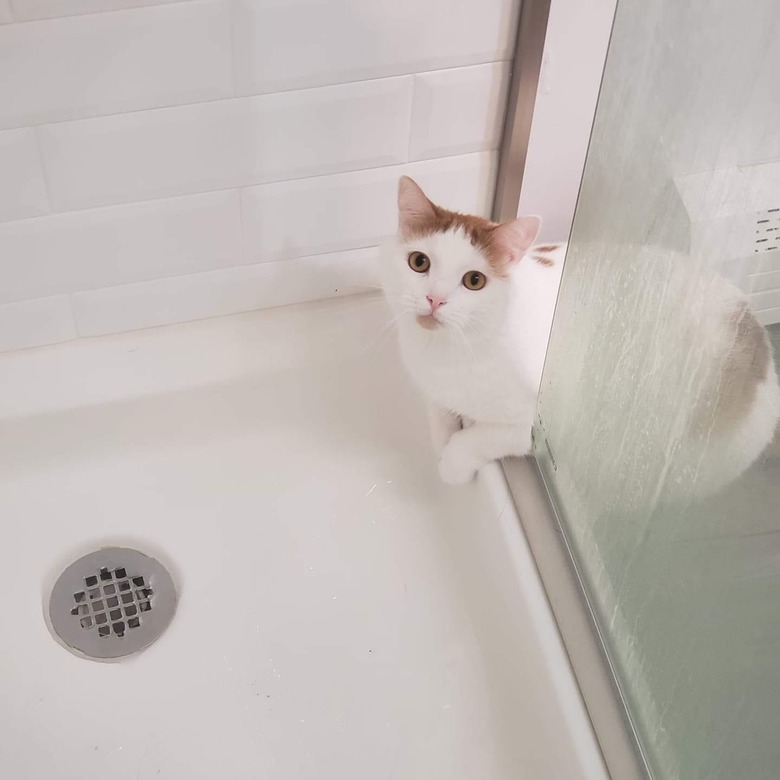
x=447, y=271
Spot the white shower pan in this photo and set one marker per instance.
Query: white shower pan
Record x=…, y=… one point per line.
x=342, y=614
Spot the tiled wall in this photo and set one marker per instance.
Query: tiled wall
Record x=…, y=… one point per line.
x=166, y=160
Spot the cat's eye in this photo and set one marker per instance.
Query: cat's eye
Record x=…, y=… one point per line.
x=419, y=262
x=474, y=280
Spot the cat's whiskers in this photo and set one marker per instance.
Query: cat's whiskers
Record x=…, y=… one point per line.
x=459, y=331
x=472, y=325
x=385, y=332
x=468, y=325
x=476, y=320
x=391, y=324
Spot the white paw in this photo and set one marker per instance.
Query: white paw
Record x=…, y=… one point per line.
x=456, y=467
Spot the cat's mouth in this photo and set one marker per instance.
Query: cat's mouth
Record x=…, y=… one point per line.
x=428, y=321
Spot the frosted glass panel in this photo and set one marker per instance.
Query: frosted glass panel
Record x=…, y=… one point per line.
x=657, y=430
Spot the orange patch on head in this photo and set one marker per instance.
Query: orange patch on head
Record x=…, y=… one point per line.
x=501, y=243
x=547, y=248
x=542, y=260
x=478, y=230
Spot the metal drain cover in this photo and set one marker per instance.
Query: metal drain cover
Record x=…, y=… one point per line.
x=112, y=603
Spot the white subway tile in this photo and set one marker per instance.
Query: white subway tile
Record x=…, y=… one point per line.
x=214, y=294
x=769, y=316
x=105, y=63
x=357, y=209
x=22, y=187
x=27, y=10
x=770, y=261
x=766, y=281
x=101, y=247
x=227, y=143
x=5, y=12
x=289, y=44
x=769, y=299
x=35, y=323
x=459, y=110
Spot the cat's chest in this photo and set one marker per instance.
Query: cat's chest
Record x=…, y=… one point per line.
x=478, y=382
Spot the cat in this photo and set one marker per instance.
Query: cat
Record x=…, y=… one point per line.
x=474, y=301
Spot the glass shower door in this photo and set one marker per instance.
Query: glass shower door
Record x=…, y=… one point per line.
x=657, y=418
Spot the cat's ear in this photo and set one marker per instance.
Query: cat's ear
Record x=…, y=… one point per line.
x=511, y=240
x=414, y=208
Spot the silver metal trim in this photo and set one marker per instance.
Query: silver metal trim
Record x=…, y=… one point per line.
x=556, y=566
x=526, y=67
x=575, y=621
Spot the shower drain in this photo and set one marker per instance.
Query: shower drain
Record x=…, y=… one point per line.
x=111, y=603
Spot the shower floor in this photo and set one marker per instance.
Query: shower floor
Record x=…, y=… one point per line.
x=343, y=615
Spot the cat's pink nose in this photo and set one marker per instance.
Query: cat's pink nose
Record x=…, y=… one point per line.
x=435, y=302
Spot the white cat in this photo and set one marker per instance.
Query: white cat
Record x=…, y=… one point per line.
x=475, y=301
x=474, y=322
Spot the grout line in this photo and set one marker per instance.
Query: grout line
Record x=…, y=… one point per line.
x=37, y=19
x=252, y=95
x=190, y=273
x=270, y=182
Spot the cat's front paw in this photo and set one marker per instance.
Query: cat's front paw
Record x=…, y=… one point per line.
x=456, y=467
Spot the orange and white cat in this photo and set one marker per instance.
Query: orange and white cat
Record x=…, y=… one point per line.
x=474, y=322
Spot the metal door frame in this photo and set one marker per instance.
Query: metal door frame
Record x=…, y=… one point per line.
x=526, y=67
x=557, y=568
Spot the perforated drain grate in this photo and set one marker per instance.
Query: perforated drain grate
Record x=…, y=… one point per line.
x=111, y=603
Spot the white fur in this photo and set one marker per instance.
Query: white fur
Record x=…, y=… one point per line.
x=481, y=368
